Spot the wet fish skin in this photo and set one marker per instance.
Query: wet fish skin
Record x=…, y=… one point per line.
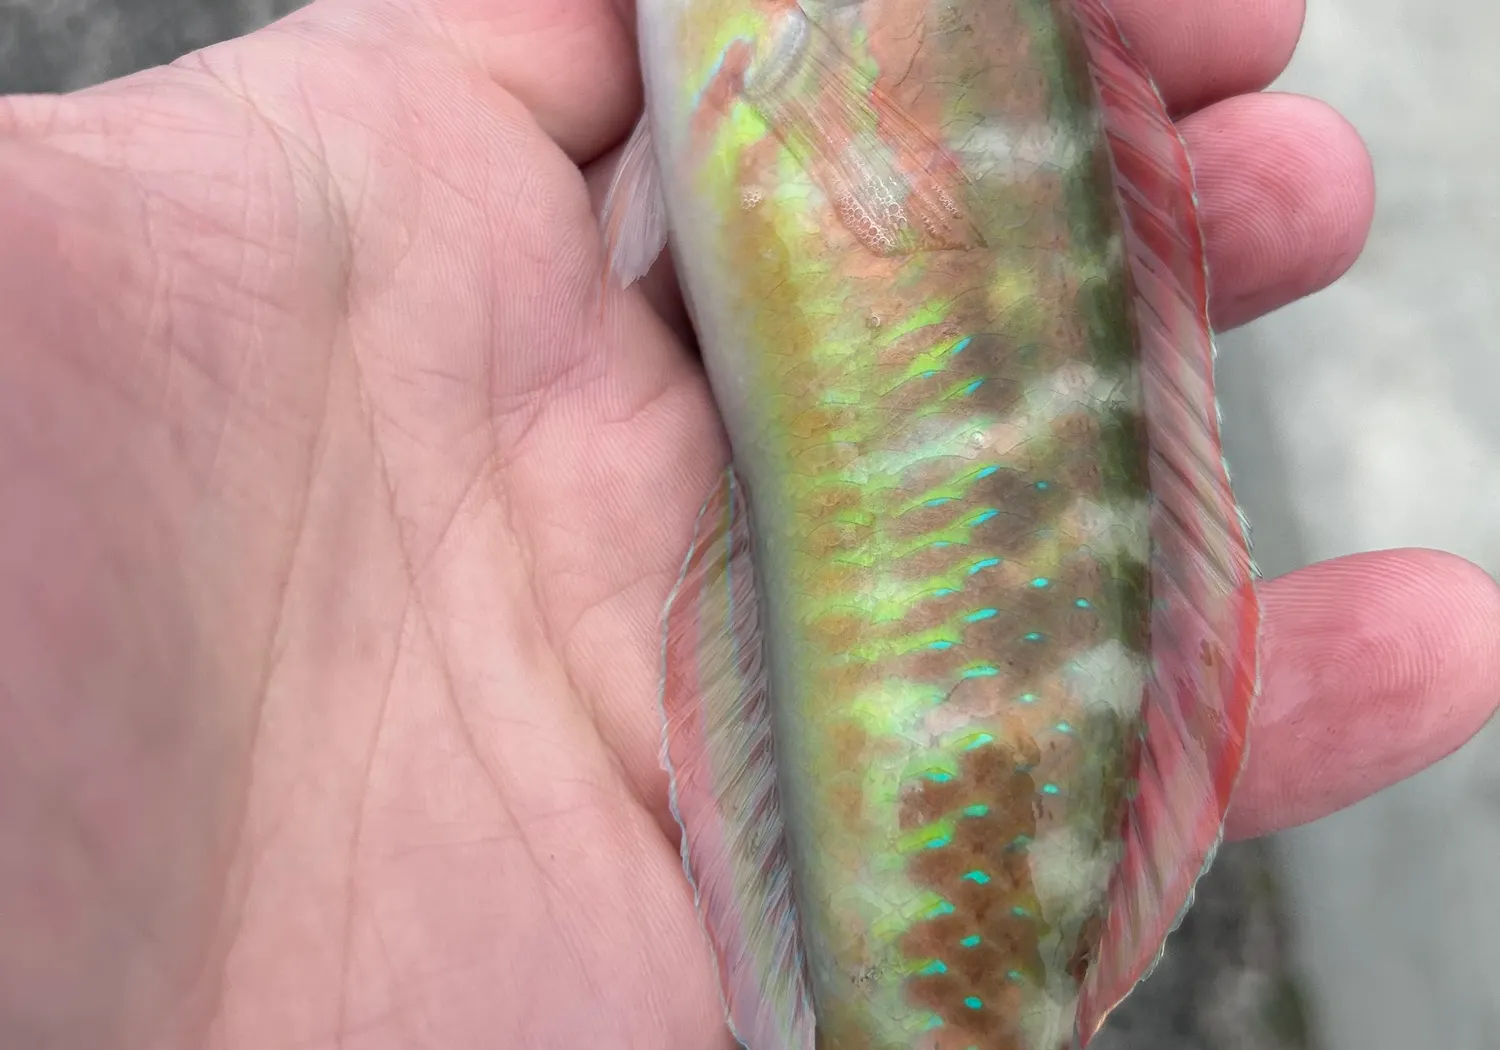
x=897, y=228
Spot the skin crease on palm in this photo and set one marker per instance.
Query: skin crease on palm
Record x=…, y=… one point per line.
x=338, y=520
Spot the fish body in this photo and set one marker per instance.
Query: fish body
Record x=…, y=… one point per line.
x=957, y=676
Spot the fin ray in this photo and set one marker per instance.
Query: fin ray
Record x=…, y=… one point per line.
x=718, y=751
x=633, y=219
x=1205, y=617
x=896, y=187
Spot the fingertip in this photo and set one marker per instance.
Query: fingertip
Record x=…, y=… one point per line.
x=1374, y=666
x=1287, y=194
x=1200, y=52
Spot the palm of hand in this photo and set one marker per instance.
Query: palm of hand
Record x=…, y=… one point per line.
x=342, y=523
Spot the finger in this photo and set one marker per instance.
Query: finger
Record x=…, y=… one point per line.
x=1286, y=195
x=571, y=63
x=1374, y=667
x=1203, y=51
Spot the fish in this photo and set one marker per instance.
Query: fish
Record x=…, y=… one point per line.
x=958, y=673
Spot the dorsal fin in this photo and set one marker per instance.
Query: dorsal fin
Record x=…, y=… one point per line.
x=1205, y=616
x=719, y=753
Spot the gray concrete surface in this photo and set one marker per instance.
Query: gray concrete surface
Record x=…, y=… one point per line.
x=1366, y=417
x=58, y=45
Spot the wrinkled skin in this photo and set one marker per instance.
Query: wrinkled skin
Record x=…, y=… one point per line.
x=338, y=518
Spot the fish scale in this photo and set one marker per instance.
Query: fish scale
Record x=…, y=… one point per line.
x=973, y=467
x=958, y=669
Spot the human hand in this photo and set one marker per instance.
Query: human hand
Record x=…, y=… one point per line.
x=338, y=521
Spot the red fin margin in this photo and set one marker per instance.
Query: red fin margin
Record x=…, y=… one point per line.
x=1205, y=614
x=717, y=748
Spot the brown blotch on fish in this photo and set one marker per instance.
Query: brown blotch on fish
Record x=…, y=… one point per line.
x=846, y=802
x=850, y=745
x=920, y=519
x=993, y=847
x=838, y=630
x=828, y=456
x=1022, y=508
x=833, y=537
x=931, y=801
x=815, y=423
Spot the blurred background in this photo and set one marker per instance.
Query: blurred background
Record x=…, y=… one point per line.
x=1367, y=416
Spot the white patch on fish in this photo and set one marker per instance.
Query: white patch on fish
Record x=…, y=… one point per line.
x=1119, y=530
x=1108, y=675
x=1015, y=152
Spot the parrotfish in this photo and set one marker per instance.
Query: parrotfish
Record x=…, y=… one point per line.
x=958, y=674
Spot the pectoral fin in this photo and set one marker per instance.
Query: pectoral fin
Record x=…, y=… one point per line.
x=634, y=217
x=894, y=186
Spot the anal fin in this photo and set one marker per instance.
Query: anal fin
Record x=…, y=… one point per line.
x=1205, y=615
x=718, y=750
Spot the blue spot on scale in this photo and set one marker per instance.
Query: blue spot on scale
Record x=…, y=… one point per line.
x=982, y=614
x=1050, y=789
x=927, y=374
x=937, y=501
x=1027, y=698
x=934, y=1022
x=1020, y=912
x=940, y=544
x=1063, y=727
x=1083, y=603
x=943, y=592
x=939, y=842
x=977, y=876
x=982, y=517
x=933, y=968
x=1032, y=636
x=981, y=671
x=978, y=740
x=940, y=644
x=939, y=775
x=973, y=1003
x=970, y=941
x=1014, y=975
x=1040, y=582
x=983, y=563
x=979, y=809
x=986, y=472
x=966, y=391
x=958, y=347
x=1043, y=486
x=939, y=909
